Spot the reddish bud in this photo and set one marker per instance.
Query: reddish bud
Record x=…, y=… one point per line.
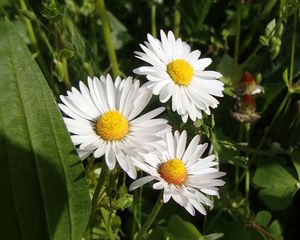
x=247, y=104
x=248, y=79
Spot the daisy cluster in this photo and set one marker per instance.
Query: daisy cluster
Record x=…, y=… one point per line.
x=105, y=119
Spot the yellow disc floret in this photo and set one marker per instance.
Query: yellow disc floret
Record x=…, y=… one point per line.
x=173, y=171
x=111, y=126
x=180, y=71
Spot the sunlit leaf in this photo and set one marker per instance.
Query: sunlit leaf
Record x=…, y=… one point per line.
x=277, y=186
x=41, y=196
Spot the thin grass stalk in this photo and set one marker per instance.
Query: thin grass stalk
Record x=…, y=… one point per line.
x=107, y=38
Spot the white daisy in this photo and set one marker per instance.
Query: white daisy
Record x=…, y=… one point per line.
x=179, y=73
x=103, y=121
x=181, y=173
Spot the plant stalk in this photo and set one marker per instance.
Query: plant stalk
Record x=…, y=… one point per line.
x=177, y=19
x=247, y=174
x=35, y=45
x=293, y=48
x=153, y=20
x=237, y=43
x=100, y=184
x=107, y=38
x=155, y=210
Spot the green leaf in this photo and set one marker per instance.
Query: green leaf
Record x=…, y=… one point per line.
x=41, y=196
x=225, y=67
x=272, y=89
x=158, y=233
x=275, y=229
x=263, y=218
x=277, y=185
x=120, y=36
x=295, y=156
x=179, y=229
x=226, y=150
x=285, y=77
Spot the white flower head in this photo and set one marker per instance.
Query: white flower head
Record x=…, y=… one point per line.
x=103, y=121
x=181, y=173
x=177, y=72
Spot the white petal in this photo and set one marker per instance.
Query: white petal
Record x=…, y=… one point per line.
x=158, y=185
x=191, y=148
x=181, y=145
x=139, y=182
x=110, y=156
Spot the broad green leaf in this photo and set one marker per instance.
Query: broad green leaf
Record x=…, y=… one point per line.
x=182, y=230
x=158, y=233
x=277, y=185
x=42, y=195
x=295, y=156
x=234, y=230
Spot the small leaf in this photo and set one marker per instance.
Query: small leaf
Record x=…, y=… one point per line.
x=66, y=53
x=270, y=27
x=263, y=218
x=285, y=77
x=225, y=67
x=277, y=185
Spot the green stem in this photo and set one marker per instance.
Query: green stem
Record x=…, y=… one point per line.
x=253, y=54
x=66, y=73
x=267, y=131
x=273, y=121
x=100, y=184
x=218, y=214
x=237, y=169
x=155, y=210
x=237, y=42
x=247, y=174
x=254, y=26
x=107, y=38
x=35, y=46
x=255, y=151
x=153, y=20
x=177, y=18
x=109, y=232
x=293, y=48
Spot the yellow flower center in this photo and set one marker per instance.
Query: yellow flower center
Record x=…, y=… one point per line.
x=180, y=71
x=111, y=126
x=173, y=171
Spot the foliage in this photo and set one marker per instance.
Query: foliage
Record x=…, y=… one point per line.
x=48, y=46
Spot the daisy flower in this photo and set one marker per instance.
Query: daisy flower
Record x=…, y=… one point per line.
x=181, y=172
x=177, y=72
x=103, y=121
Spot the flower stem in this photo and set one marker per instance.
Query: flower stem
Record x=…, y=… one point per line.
x=153, y=20
x=293, y=48
x=177, y=18
x=237, y=169
x=66, y=73
x=100, y=184
x=268, y=129
x=35, y=45
x=237, y=43
x=107, y=38
x=151, y=217
x=247, y=174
